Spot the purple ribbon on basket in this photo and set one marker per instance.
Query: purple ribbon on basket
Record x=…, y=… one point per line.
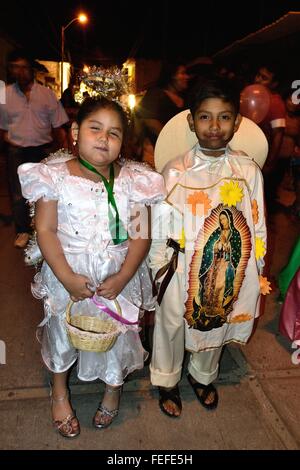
x=112, y=314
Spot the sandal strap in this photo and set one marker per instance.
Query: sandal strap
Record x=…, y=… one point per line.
x=172, y=395
x=106, y=411
x=110, y=389
x=67, y=427
x=65, y=422
x=60, y=399
x=207, y=389
x=196, y=385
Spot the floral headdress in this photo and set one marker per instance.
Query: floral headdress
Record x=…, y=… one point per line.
x=109, y=82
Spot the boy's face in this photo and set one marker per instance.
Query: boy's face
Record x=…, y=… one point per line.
x=214, y=123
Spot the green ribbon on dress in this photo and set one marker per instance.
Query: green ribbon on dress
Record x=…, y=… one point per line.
x=116, y=227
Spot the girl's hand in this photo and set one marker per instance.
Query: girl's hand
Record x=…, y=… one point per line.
x=77, y=286
x=112, y=286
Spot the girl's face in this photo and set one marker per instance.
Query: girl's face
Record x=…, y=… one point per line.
x=214, y=123
x=100, y=137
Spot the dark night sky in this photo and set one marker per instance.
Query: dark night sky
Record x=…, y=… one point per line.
x=152, y=28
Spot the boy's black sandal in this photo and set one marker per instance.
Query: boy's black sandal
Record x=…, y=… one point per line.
x=206, y=390
x=172, y=395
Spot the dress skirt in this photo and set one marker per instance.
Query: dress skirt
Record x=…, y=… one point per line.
x=127, y=354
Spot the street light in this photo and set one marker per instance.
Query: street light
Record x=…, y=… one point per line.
x=82, y=18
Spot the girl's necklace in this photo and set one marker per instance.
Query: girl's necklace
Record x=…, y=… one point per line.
x=116, y=227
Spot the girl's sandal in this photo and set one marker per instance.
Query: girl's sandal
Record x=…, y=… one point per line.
x=103, y=416
x=108, y=415
x=68, y=427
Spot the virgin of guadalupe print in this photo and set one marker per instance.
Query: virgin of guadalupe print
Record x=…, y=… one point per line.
x=218, y=267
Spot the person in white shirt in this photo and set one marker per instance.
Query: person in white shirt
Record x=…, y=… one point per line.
x=31, y=120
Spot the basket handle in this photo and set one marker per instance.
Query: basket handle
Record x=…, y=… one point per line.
x=68, y=311
x=117, y=316
x=114, y=315
x=71, y=302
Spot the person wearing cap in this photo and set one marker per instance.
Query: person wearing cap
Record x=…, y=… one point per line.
x=208, y=248
x=30, y=118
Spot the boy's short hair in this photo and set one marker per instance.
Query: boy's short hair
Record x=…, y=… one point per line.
x=18, y=54
x=222, y=88
x=275, y=68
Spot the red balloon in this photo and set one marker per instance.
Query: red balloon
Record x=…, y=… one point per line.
x=255, y=102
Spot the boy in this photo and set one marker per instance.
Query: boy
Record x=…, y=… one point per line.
x=209, y=240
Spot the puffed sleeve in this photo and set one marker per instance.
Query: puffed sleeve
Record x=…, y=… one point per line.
x=37, y=182
x=147, y=186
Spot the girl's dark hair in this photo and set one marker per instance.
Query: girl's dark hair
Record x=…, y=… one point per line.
x=222, y=88
x=91, y=105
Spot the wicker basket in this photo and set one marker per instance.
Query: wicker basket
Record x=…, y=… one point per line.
x=91, y=333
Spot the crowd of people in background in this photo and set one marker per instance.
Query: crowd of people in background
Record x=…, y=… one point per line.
x=50, y=121
x=280, y=125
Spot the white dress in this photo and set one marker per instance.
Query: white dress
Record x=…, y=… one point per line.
x=87, y=243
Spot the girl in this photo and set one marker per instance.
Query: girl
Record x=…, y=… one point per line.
x=215, y=200
x=83, y=207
